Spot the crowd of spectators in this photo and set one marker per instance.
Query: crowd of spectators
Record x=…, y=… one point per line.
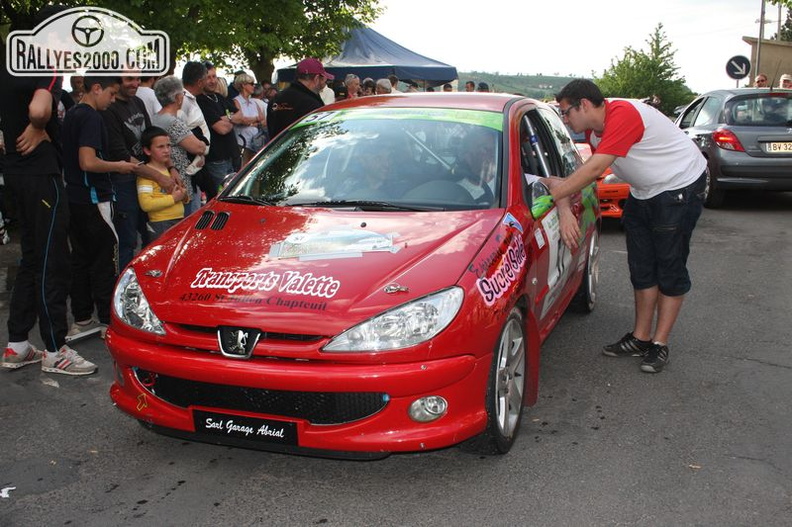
x=94, y=174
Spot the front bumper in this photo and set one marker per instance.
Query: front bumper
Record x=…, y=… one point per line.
x=164, y=387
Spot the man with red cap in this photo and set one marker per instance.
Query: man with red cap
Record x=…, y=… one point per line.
x=300, y=98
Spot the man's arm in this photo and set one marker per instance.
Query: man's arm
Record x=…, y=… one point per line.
x=223, y=126
x=90, y=162
x=39, y=113
x=583, y=176
x=570, y=230
x=167, y=183
x=215, y=116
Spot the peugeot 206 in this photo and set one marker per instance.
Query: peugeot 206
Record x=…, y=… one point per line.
x=378, y=279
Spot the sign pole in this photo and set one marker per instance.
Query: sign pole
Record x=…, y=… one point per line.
x=761, y=37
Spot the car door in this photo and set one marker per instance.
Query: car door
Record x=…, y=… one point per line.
x=547, y=150
x=701, y=118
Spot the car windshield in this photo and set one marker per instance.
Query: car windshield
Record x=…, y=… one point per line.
x=764, y=109
x=380, y=159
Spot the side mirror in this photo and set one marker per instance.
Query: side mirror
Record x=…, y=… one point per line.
x=226, y=180
x=541, y=200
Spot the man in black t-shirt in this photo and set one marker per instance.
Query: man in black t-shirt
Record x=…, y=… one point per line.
x=300, y=98
x=221, y=115
x=125, y=119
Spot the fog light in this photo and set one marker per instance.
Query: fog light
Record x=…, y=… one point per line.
x=428, y=409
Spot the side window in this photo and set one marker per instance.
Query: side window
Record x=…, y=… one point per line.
x=557, y=138
x=536, y=150
x=709, y=112
x=540, y=143
x=690, y=114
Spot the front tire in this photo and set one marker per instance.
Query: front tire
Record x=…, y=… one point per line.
x=505, y=390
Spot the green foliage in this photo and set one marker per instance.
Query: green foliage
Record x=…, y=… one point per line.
x=253, y=34
x=786, y=29
x=640, y=74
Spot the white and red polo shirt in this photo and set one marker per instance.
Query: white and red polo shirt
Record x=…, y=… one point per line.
x=652, y=154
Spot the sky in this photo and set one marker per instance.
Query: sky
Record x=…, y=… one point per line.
x=578, y=37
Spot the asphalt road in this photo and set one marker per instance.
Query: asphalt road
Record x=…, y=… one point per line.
x=706, y=442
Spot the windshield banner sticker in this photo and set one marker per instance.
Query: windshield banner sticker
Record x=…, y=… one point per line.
x=292, y=282
x=349, y=243
x=492, y=120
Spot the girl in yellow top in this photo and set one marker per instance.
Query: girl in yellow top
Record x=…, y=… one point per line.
x=164, y=209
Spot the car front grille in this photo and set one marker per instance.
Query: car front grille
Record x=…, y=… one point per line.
x=319, y=408
x=265, y=335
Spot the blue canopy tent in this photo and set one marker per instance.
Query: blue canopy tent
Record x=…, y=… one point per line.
x=366, y=53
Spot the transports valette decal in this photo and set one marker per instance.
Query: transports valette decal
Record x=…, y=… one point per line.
x=291, y=282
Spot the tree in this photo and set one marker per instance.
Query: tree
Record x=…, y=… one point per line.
x=252, y=34
x=639, y=74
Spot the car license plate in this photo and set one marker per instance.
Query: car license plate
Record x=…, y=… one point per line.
x=242, y=427
x=779, y=148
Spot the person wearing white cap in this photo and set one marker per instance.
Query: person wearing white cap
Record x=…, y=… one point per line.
x=785, y=81
x=300, y=98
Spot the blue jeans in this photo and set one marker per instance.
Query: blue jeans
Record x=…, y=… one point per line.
x=158, y=228
x=129, y=220
x=658, y=232
x=217, y=171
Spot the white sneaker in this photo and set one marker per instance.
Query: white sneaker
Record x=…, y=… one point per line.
x=13, y=360
x=68, y=362
x=81, y=330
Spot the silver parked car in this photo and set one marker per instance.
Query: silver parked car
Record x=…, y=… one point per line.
x=746, y=136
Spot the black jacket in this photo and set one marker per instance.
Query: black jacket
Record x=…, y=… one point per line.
x=289, y=105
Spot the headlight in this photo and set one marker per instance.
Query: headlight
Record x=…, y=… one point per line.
x=611, y=179
x=404, y=326
x=131, y=306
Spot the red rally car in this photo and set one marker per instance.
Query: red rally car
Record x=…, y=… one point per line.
x=378, y=279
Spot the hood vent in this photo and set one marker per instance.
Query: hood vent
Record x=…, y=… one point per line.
x=204, y=220
x=220, y=221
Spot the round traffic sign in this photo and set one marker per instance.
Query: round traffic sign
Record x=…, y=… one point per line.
x=738, y=67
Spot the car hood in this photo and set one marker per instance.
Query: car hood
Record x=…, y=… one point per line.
x=320, y=269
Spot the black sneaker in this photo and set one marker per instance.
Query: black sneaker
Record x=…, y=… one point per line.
x=655, y=359
x=628, y=346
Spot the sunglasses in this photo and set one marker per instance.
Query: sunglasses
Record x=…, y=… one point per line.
x=565, y=113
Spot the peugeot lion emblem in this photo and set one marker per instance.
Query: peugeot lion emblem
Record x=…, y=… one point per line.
x=236, y=342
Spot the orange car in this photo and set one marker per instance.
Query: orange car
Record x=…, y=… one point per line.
x=611, y=191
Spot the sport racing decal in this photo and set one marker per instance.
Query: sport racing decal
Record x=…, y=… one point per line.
x=512, y=260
